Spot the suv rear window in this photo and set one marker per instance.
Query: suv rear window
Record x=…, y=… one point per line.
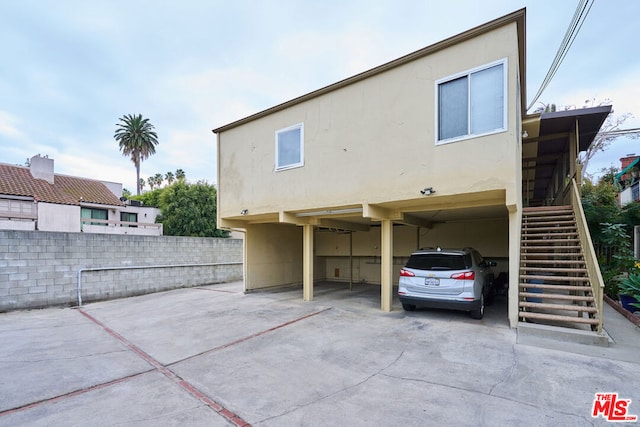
x=439, y=261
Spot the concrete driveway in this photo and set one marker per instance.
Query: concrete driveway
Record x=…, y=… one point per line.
x=212, y=356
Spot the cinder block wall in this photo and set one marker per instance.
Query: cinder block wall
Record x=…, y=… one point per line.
x=39, y=269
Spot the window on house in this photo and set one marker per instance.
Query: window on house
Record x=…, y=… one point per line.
x=290, y=147
x=90, y=213
x=128, y=217
x=18, y=208
x=472, y=103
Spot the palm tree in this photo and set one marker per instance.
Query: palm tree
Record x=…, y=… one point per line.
x=152, y=182
x=137, y=139
x=169, y=177
x=180, y=175
x=159, y=178
x=142, y=183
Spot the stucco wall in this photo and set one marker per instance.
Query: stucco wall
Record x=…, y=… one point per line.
x=53, y=217
x=489, y=236
x=274, y=252
x=374, y=141
x=41, y=268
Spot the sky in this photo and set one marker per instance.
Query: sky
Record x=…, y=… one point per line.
x=70, y=69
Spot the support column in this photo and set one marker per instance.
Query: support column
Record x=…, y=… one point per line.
x=307, y=261
x=515, y=236
x=387, y=265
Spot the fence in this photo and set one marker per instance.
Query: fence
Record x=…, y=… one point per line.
x=39, y=269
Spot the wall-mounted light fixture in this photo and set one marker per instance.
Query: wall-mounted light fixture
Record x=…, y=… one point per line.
x=427, y=191
x=244, y=211
x=525, y=134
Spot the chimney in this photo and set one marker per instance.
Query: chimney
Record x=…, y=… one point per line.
x=42, y=168
x=627, y=160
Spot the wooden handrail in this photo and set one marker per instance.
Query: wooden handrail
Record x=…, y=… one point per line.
x=595, y=276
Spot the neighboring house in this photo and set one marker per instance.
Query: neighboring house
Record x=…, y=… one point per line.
x=628, y=179
x=35, y=198
x=432, y=149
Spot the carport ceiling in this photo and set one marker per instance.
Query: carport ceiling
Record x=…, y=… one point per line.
x=444, y=215
x=463, y=214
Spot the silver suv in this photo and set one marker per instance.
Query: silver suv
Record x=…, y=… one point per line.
x=458, y=279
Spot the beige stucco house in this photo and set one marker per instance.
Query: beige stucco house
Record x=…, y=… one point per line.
x=432, y=149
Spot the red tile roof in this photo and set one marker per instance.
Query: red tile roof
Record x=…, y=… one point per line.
x=66, y=190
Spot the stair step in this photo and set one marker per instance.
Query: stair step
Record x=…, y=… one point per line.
x=553, y=278
x=551, y=247
x=544, y=231
x=541, y=224
x=554, y=287
x=547, y=219
x=545, y=227
x=526, y=242
x=539, y=295
x=549, y=235
x=535, y=256
x=553, y=270
x=541, y=210
x=565, y=307
x=552, y=261
x=572, y=319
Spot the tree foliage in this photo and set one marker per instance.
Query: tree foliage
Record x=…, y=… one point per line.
x=610, y=130
x=606, y=135
x=611, y=228
x=600, y=203
x=137, y=139
x=189, y=210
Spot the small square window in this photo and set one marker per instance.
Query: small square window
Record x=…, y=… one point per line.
x=290, y=147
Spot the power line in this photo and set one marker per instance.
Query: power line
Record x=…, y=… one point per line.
x=622, y=132
x=579, y=16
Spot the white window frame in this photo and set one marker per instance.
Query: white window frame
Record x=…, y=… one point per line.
x=468, y=73
x=292, y=165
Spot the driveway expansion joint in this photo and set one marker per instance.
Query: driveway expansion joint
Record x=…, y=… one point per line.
x=186, y=386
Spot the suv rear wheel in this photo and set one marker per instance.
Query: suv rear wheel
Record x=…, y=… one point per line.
x=479, y=312
x=408, y=307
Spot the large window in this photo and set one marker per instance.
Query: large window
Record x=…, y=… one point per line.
x=89, y=213
x=472, y=103
x=290, y=147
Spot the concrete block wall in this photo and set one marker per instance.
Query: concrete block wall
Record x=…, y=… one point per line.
x=39, y=269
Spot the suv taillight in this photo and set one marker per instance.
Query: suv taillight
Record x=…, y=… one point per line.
x=467, y=275
x=406, y=273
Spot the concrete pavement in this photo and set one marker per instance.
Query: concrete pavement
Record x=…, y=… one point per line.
x=213, y=356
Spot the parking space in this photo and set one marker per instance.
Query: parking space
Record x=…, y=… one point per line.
x=215, y=356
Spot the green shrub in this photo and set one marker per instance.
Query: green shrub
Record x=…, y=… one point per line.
x=630, y=285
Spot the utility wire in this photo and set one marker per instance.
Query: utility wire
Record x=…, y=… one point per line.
x=621, y=132
x=579, y=16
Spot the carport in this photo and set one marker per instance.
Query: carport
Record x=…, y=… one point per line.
x=371, y=242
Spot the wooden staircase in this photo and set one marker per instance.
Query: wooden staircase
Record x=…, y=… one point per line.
x=554, y=287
